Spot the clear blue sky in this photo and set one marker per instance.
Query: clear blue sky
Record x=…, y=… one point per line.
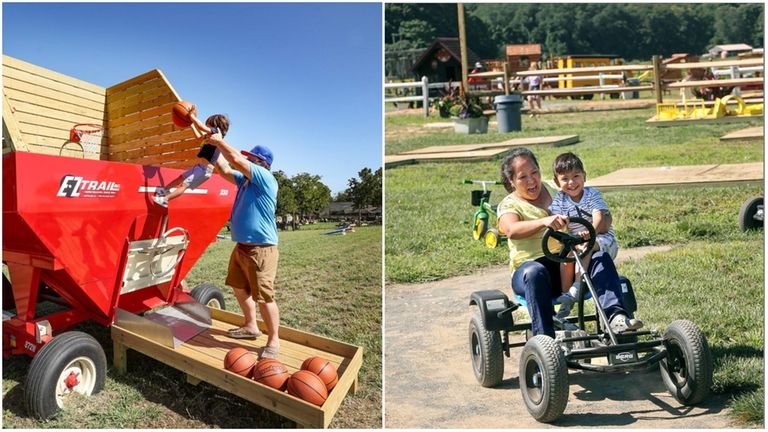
x=303, y=79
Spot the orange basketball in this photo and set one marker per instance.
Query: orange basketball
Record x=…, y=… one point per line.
x=181, y=111
x=240, y=361
x=308, y=386
x=323, y=369
x=272, y=373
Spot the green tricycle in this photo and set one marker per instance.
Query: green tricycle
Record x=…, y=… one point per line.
x=481, y=220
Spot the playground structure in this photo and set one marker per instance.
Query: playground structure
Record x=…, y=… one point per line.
x=696, y=109
x=84, y=242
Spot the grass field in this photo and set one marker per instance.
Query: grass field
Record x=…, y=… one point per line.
x=713, y=275
x=329, y=285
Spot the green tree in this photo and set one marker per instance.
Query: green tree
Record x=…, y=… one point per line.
x=286, y=197
x=312, y=196
x=365, y=190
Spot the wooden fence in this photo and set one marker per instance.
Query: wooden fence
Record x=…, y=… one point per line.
x=603, y=74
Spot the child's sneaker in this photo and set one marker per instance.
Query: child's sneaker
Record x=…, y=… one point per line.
x=161, y=191
x=621, y=323
x=566, y=301
x=160, y=200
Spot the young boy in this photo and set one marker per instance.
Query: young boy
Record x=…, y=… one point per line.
x=576, y=200
x=209, y=155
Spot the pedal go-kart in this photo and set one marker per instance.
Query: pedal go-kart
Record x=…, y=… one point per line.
x=481, y=219
x=682, y=352
x=751, y=214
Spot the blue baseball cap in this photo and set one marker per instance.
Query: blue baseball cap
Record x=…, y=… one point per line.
x=261, y=152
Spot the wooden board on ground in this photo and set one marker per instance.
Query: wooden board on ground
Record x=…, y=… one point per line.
x=459, y=156
x=674, y=176
x=557, y=141
x=654, y=122
x=750, y=133
x=202, y=359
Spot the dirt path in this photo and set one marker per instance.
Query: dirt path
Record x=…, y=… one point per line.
x=429, y=381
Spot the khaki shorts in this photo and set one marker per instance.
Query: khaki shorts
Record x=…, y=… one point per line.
x=253, y=269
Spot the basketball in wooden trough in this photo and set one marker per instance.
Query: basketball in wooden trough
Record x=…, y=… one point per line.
x=240, y=361
x=323, y=369
x=181, y=111
x=308, y=386
x=272, y=373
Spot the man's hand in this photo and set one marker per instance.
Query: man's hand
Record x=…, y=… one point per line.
x=215, y=139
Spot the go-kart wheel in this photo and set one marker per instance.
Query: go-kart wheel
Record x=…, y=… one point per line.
x=485, y=352
x=544, y=378
x=567, y=240
x=749, y=210
x=72, y=362
x=687, y=370
x=209, y=295
x=492, y=238
x=480, y=228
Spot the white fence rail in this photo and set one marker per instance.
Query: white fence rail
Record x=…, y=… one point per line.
x=422, y=85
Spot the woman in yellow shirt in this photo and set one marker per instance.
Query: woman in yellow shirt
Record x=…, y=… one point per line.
x=523, y=217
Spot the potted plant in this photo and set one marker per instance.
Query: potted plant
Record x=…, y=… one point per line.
x=468, y=116
x=446, y=101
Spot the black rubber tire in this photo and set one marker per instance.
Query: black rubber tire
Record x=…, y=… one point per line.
x=49, y=364
x=687, y=369
x=491, y=238
x=747, y=213
x=485, y=352
x=547, y=398
x=209, y=295
x=479, y=228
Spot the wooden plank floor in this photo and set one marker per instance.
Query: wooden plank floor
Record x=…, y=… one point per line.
x=680, y=175
x=750, y=133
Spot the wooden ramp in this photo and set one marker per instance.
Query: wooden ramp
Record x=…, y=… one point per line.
x=688, y=175
x=202, y=359
x=473, y=152
x=745, y=134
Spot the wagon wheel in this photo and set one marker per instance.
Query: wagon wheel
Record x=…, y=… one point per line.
x=209, y=295
x=687, y=369
x=491, y=238
x=485, y=352
x=480, y=227
x=544, y=378
x=71, y=363
x=751, y=208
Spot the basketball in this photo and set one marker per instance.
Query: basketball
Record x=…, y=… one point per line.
x=308, y=386
x=272, y=373
x=240, y=361
x=181, y=111
x=323, y=369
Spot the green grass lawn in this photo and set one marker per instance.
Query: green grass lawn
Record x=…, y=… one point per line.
x=713, y=275
x=329, y=285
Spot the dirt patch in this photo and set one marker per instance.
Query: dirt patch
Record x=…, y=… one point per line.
x=429, y=381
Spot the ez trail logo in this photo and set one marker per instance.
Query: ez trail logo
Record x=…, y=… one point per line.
x=78, y=187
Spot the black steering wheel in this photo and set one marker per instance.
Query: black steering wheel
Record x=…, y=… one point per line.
x=568, y=241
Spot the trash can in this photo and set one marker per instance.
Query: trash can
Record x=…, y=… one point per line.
x=508, y=112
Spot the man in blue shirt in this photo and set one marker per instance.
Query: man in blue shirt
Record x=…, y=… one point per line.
x=253, y=264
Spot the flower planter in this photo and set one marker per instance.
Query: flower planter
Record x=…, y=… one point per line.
x=472, y=125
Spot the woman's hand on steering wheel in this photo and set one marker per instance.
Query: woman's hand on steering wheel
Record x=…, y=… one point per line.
x=555, y=222
x=582, y=242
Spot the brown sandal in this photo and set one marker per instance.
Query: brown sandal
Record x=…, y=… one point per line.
x=242, y=333
x=269, y=352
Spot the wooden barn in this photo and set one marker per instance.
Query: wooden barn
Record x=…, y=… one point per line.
x=520, y=57
x=441, y=62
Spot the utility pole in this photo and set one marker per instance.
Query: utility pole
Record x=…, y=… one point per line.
x=463, y=49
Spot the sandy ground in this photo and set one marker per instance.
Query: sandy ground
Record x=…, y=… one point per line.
x=429, y=381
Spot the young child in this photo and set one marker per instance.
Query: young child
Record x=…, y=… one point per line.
x=576, y=200
x=209, y=155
